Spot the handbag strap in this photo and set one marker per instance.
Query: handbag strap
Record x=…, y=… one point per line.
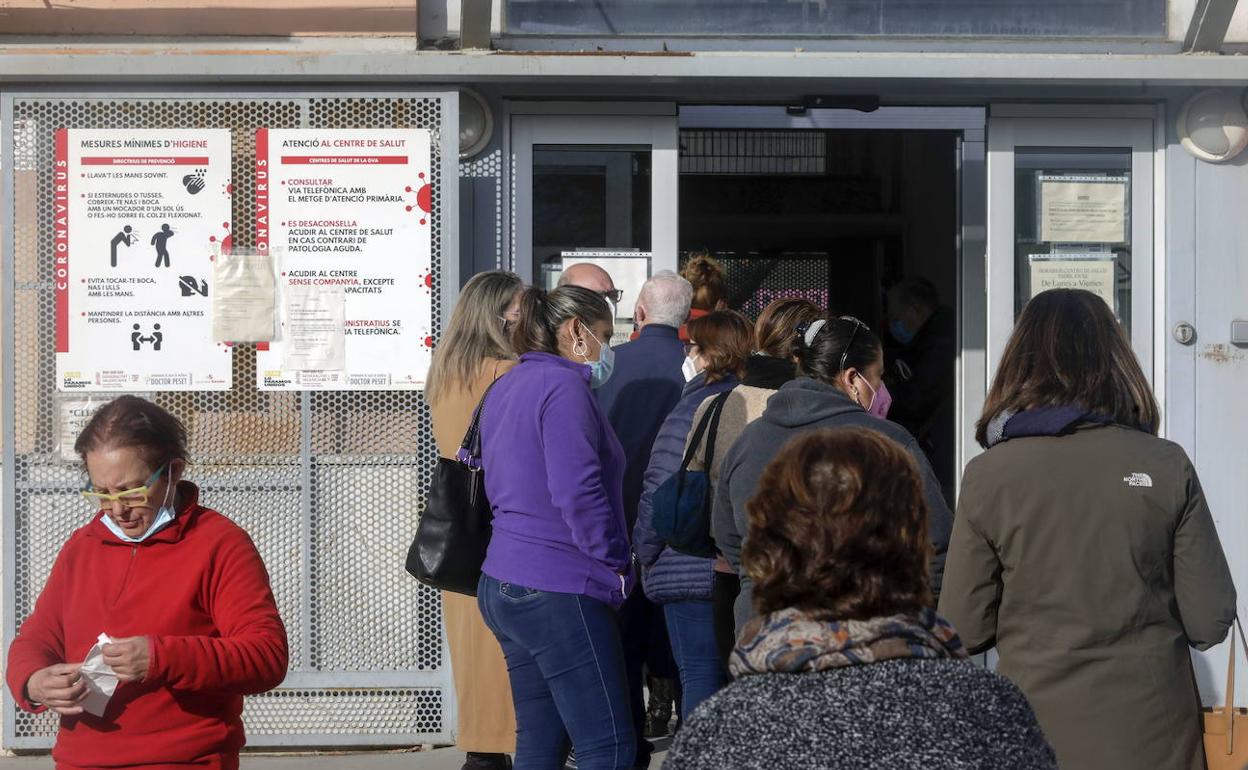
x=718, y=408
x=1230, y=686
x=470, y=448
x=695, y=441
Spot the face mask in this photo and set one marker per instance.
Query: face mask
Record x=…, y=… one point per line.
x=600, y=370
x=900, y=332
x=689, y=368
x=164, y=517
x=881, y=400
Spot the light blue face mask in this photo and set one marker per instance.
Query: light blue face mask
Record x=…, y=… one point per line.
x=900, y=332
x=164, y=517
x=600, y=370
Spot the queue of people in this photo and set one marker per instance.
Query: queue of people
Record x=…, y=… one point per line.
x=828, y=623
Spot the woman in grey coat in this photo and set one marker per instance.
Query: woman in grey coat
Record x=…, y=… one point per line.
x=1083, y=548
x=842, y=362
x=846, y=665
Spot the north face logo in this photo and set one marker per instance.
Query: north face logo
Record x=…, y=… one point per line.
x=1138, y=480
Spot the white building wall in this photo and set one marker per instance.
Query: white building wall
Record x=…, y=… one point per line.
x=1207, y=382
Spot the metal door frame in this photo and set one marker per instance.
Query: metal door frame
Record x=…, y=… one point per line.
x=592, y=123
x=1132, y=127
x=969, y=123
x=449, y=276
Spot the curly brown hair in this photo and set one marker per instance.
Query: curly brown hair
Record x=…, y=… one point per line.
x=838, y=528
x=706, y=274
x=724, y=339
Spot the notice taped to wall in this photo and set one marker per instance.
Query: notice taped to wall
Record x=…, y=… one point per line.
x=243, y=303
x=1091, y=272
x=1083, y=209
x=348, y=210
x=138, y=215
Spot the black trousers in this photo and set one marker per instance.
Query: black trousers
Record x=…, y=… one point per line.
x=724, y=597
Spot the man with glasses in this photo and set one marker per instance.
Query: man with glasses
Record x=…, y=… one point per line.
x=594, y=278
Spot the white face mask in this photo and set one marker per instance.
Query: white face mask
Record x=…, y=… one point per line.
x=689, y=368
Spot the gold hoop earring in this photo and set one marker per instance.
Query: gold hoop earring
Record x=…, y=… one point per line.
x=581, y=348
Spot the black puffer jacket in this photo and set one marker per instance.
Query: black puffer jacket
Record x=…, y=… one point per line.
x=802, y=405
x=897, y=714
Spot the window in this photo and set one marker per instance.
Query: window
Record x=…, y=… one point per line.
x=815, y=18
x=1072, y=224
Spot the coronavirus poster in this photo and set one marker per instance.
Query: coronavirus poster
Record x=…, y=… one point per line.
x=138, y=216
x=346, y=216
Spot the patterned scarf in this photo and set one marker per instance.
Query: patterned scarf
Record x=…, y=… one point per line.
x=789, y=641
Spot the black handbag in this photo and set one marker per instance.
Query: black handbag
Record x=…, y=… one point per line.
x=454, y=530
x=681, y=505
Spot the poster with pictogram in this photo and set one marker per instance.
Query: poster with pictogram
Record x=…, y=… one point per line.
x=346, y=216
x=138, y=216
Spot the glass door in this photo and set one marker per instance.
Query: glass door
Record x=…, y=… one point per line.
x=1070, y=205
x=595, y=183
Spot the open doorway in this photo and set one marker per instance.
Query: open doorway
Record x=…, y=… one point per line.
x=861, y=222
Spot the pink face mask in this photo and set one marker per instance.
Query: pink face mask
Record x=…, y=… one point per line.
x=881, y=400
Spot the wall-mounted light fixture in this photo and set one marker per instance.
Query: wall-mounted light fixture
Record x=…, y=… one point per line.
x=476, y=123
x=1213, y=124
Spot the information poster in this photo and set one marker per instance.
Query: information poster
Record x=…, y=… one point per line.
x=138, y=215
x=346, y=216
x=75, y=413
x=1083, y=209
x=1091, y=272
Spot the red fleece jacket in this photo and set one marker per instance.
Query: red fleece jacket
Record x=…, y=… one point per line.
x=200, y=594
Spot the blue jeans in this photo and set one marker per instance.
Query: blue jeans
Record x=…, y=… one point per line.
x=691, y=626
x=566, y=667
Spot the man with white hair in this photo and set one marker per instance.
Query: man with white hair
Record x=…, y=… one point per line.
x=644, y=389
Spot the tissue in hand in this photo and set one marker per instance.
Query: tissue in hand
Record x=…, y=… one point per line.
x=99, y=676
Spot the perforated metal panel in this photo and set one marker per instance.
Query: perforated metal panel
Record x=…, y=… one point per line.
x=754, y=282
x=327, y=484
x=489, y=166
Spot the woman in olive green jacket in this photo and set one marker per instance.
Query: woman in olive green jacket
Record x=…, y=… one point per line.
x=1083, y=548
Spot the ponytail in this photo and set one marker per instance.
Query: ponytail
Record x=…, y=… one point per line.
x=542, y=313
x=776, y=330
x=530, y=332
x=836, y=345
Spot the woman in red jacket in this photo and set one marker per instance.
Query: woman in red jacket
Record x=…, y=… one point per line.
x=181, y=594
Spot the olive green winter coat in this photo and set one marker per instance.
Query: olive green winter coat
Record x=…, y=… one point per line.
x=1091, y=561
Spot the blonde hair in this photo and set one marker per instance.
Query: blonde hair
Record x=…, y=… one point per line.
x=475, y=333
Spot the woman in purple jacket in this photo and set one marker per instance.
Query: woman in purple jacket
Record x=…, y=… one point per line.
x=558, y=564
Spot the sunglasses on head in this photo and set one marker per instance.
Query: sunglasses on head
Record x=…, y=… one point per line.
x=802, y=330
x=857, y=325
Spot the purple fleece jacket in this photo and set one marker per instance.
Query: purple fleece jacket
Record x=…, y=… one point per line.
x=554, y=475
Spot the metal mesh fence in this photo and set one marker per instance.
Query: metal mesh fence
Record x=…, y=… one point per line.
x=325, y=483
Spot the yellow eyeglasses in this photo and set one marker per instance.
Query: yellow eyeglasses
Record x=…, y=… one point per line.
x=129, y=498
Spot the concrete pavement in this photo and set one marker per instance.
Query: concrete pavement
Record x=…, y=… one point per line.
x=436, y=759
